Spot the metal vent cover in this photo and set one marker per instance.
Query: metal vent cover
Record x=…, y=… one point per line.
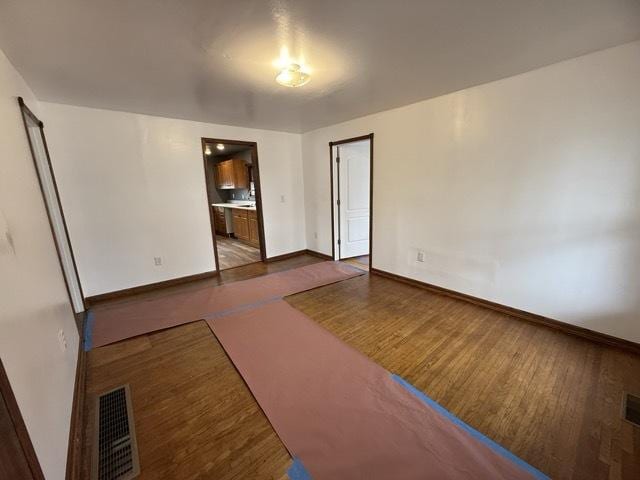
x=115, y=451
x=631, y=409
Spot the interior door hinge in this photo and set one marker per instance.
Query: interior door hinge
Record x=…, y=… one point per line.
x=338, y=202
x=337, y=159
x=338, y=241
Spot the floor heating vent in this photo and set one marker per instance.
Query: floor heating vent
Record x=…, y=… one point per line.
x=632, y=409
x=115, y=455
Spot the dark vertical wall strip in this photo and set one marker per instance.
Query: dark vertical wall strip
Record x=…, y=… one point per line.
x=19, y=426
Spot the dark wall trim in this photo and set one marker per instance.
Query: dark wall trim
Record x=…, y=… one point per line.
x=333, y=221
x=76, y=430
x=27, y=113
x=585, y=333
x=209, y=178
x=19, y=425
x=371, y=201
x=146, y=288
x=323, y=256
x=297, y=253
x=333, y=202
x=351, y=140
x=92, y=300
x=284, y=256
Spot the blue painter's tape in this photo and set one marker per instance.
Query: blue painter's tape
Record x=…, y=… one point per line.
x=88, y=331
x=472, y=431
x=297, y=471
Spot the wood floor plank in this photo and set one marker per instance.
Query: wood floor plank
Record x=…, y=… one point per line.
x=552, y=399
x=234, y=253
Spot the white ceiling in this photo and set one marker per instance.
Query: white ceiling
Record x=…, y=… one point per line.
x=212, y=61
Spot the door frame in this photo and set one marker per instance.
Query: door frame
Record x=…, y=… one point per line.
x=26, y=112
x=256, y=174
x=6, y=395
x=333, y=200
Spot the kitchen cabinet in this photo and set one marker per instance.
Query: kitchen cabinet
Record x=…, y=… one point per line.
x=241, y=224
x=220, y=221
x=223, y=175
x=254, y=236
x=232, y=173
x=245, y=226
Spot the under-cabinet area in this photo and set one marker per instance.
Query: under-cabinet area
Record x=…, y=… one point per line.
x=237, y=221
x=231, y=188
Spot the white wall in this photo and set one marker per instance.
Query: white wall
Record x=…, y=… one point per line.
x=523, y=191
x=132, y=188
x=34, y=304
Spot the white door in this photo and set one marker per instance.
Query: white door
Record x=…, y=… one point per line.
x=353, y=193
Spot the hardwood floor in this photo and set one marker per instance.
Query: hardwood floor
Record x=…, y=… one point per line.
x=234, y=253
x=225, y=276
x=552, y=399
x=360, y=262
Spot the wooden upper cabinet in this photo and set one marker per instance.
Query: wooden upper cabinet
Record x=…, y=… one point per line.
x=232, y=173
x=224, y=175
x=240, y=174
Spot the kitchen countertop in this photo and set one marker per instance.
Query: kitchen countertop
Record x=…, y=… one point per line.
x=239, y=206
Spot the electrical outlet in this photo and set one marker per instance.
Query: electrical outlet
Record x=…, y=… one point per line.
x=420, y=256
x=281, y=198
x=157, y=261
x=315, y=235
x=62, y=340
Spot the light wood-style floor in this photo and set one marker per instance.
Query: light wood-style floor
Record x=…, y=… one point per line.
x=234, y=253
x=360, y=262
x=552, y=399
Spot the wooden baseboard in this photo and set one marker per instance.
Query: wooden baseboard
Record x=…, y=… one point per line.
x=145, y=288
x=298, y=253
x=582, y=332
x=285, y=256
x=76, y=429
x=318, y=254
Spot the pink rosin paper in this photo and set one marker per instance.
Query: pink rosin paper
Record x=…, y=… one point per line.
x=119, y=322
x=342, y=414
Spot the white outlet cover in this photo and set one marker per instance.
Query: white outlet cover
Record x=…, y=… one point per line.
x=421, y=256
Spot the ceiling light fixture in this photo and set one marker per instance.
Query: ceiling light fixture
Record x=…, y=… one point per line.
x=293, y=76
x=207, y=150
x=220, y=146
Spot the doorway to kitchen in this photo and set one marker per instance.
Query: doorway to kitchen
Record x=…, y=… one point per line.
x=351, y=166
x=232, y=177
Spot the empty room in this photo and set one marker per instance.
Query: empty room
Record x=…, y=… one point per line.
x=303, y=240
